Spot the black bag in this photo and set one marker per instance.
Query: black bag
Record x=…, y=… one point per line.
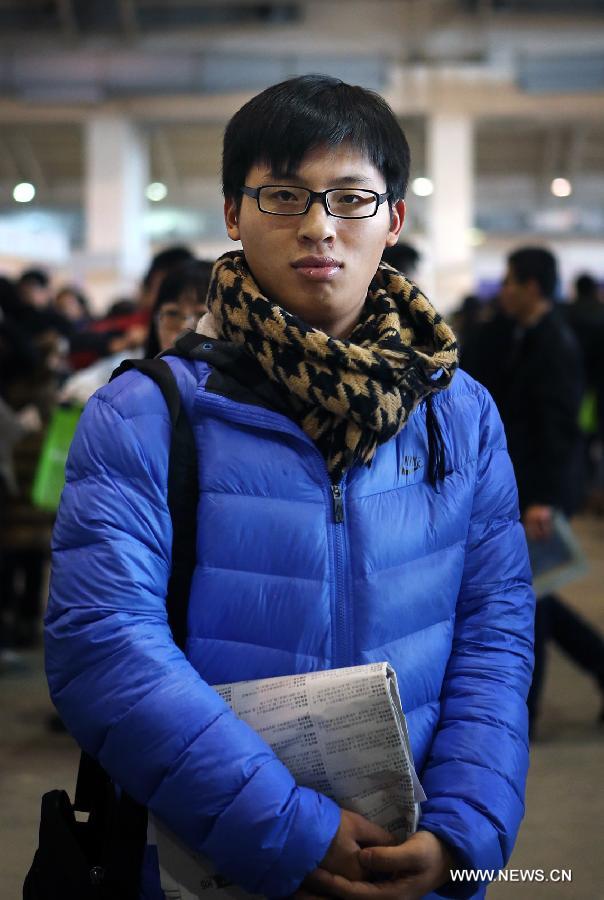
x=100, y=857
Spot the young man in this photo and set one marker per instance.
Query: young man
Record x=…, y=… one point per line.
x=355, y=505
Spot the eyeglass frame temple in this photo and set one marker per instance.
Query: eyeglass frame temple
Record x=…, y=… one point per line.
x=313, y=196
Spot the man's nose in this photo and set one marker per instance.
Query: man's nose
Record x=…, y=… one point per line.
x=317, y=225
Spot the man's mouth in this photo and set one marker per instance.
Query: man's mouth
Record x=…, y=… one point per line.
x=317, y=268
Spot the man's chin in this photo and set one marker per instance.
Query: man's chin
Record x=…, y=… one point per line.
x=304, y=303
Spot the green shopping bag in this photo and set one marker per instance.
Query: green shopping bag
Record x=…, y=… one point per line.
x=50, y=473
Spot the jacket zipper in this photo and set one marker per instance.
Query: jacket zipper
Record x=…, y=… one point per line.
x=342, y=642
x=342, y=639
x=338, y=505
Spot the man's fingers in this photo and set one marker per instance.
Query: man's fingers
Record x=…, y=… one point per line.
x=337, y=886
x=313, y=886
x=390, y=860
x=368, y=833
x=316, y=883
x=302, y=894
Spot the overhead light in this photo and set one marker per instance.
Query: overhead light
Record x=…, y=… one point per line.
x=422, y=187
x=156, y=191
x=24, y=192
x=561, y=187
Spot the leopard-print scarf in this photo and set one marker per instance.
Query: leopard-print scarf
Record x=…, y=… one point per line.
x=350, y=395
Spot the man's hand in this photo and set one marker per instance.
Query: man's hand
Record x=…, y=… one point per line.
x=342, y=857
x=537, y=521
x=413, y=869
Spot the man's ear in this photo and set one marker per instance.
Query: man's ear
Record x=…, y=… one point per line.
x=397, y=217
x=231, y=219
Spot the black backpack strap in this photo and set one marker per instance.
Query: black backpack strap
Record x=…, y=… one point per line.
x=161, y=373
x=126, y=832
x=113, y=839
x=91, y=783
x=182, y=492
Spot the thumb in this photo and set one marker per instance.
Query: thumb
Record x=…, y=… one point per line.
x=389, y=859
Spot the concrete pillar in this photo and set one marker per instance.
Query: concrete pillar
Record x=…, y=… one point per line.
x=450, y=155
x=116, y=175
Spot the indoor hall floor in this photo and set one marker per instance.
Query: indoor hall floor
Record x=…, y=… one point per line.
x=565, y=799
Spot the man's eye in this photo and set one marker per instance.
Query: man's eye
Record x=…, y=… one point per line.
x=351, y=199
x=284, y=196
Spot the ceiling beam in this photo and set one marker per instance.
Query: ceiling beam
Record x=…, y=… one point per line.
x=202, y=3
x=413, y=91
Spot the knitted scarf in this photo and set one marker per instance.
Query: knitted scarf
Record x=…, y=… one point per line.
x=349, y=396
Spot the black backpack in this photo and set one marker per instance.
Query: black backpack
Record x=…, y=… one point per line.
x=100, y=857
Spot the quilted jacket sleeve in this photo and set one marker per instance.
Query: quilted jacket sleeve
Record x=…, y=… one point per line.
x=123, y=688
x=476, y=772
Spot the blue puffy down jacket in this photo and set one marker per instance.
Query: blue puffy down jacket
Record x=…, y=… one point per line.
x=435, y=582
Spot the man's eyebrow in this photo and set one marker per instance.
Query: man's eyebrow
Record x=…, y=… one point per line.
x=284, y=177
x=353, y=179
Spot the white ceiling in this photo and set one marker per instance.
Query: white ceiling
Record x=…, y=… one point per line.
x=531, y=75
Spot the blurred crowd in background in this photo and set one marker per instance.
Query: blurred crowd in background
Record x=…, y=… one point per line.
x=55, y=353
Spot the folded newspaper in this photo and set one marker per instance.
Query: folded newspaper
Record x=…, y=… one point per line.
x=557, y=560
x=341, y=732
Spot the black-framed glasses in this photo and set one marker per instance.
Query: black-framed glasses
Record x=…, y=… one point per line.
x=177, y=318
x=289, y=200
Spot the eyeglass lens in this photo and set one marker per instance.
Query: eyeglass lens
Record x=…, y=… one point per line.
x=343, y=202
x=177, y=316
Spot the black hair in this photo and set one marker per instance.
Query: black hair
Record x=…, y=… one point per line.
x=194, y=275
x=81, y=299
x=10, y=304
x=282, y=124
x=586, y=287
x=167, y=259
x=402, y=256
x=535, y=264
x=35, y=276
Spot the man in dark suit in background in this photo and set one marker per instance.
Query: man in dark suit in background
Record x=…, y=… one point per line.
x=534, y=369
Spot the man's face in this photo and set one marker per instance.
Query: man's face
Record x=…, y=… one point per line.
x=174, y=316
x=516, y=297
x=35, y=294
x=287, y=255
